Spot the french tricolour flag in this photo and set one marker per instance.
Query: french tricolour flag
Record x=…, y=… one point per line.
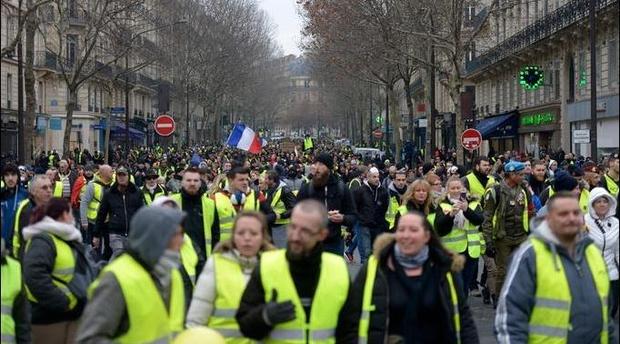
x=245, y=138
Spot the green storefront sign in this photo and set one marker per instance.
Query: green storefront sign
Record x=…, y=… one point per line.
x=537, y=119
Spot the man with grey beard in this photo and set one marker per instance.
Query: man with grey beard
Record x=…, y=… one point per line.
x=328, y=189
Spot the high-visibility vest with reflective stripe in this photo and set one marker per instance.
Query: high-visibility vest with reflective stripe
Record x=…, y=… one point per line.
x=208, y=208
x=17, y=234
x=368, y=306
x=308, y=144
x=150, y=320
x=62, y=272
x=525, y=216
x=329, y=297
x=50, y=160
x=229, y=286
x=11, y=279
x=278, y=207
x=390, y=214
x=147, y=195
x=58, y=189
x=475, y=187
x=612, y=185
x=189, y=258
x=461, y=239
x=402, y=210
x=95, y=202
x=584, y=199
x=226, y=211
x=550, y=318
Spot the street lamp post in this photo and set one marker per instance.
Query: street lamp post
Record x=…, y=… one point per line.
x=593, y=115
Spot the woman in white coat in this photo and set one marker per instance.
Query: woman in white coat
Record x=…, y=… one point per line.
x=602, y=227
x=221, y=284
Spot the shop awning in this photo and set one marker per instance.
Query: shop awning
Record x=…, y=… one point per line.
x=502, y=126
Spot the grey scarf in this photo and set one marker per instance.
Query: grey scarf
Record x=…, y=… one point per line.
x=411, y=262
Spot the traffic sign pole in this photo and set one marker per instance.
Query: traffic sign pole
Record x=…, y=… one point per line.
x=471, y=139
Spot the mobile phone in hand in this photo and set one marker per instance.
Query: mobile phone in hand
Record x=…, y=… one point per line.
x=463, y=196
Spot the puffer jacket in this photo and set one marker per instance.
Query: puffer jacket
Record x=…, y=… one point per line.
x=440, y=264
x=203, y=300
x=518, y=296
x=604, y=231
x=38, y=262
x=120, y=207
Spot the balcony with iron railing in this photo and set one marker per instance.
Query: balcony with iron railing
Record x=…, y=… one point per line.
x=565, y=16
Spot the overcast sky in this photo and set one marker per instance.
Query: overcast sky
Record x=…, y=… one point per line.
x=288, y=23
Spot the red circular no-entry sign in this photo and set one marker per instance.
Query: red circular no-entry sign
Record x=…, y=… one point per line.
x=377, y=134
x=471, y=139
x=164, y=125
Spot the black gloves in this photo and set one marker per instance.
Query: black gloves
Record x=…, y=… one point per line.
x=278, y=312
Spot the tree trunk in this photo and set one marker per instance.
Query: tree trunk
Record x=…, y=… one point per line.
x=71, y=104
x=395, y=120
x=455, y=95
x=29, y=81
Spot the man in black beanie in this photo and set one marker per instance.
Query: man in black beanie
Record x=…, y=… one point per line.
x=328, y=189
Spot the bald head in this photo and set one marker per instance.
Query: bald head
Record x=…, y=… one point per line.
x=105, y=172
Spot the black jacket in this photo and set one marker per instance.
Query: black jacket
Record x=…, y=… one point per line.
x=305, y=275
x=38, y=262
x=444, y=222
x=338, y=197
x=372, y=204
x=439, y=265
x=120, y=207
x=411, y=206
x=194, y=226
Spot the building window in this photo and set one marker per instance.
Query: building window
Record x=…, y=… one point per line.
x=612, y=57
x=307, y=83
x=9, y=90
x=40, y=96
x=556, y=84
x=72, y=48
x=72, y=8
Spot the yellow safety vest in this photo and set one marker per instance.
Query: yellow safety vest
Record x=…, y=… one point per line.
x=612, y=186
x=550, y=318
x=17, y=234
x=147, y=196
x=226, y=212
x=208, y=208
x=150, y=320
x=329, y=297
x=11, y=279
x=229, y=287
x=526, y=221
x=475, y=187
x=368, y=306
x=390, y=215
x=308, y=144
x=58, y=189
x=584, y=199
x=189, y=258
x=95, y=202
x=278, y=207
x=62, y=272
x=461, y=239
x=402, y=210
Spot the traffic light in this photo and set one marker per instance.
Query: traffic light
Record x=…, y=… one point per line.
x=531, y=77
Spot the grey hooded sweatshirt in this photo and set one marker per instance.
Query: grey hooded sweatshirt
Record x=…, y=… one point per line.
x=517, y=298
x=105, y=316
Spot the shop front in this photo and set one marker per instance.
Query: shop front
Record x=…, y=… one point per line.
x=539, y=130
x=500, y=132
x=607, y=110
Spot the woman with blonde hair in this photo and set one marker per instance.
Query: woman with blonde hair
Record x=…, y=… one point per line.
x=221, y=284
x=436, y=187
x=418, y=198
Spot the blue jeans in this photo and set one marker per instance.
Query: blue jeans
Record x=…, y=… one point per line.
x=335, y=246
x=364, y=243
x=351, y=248
x=469, y=272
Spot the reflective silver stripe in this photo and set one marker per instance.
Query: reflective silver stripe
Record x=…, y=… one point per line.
x=208, y=241
x=162, y=340
x=287, y=334
x=225, y=230
x=474, y=243
x=229, y=333
x=64, y=289
x=454, y=239
x=6, y=309
x=548, y=331
x=552, y=303
x=323, y=334
x=225, y=220
x=67, y=271
x=225, y=313
x=361, y=340
x=7, y=338
x=365, y=315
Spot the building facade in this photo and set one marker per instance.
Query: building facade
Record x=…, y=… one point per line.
x=551, y=37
